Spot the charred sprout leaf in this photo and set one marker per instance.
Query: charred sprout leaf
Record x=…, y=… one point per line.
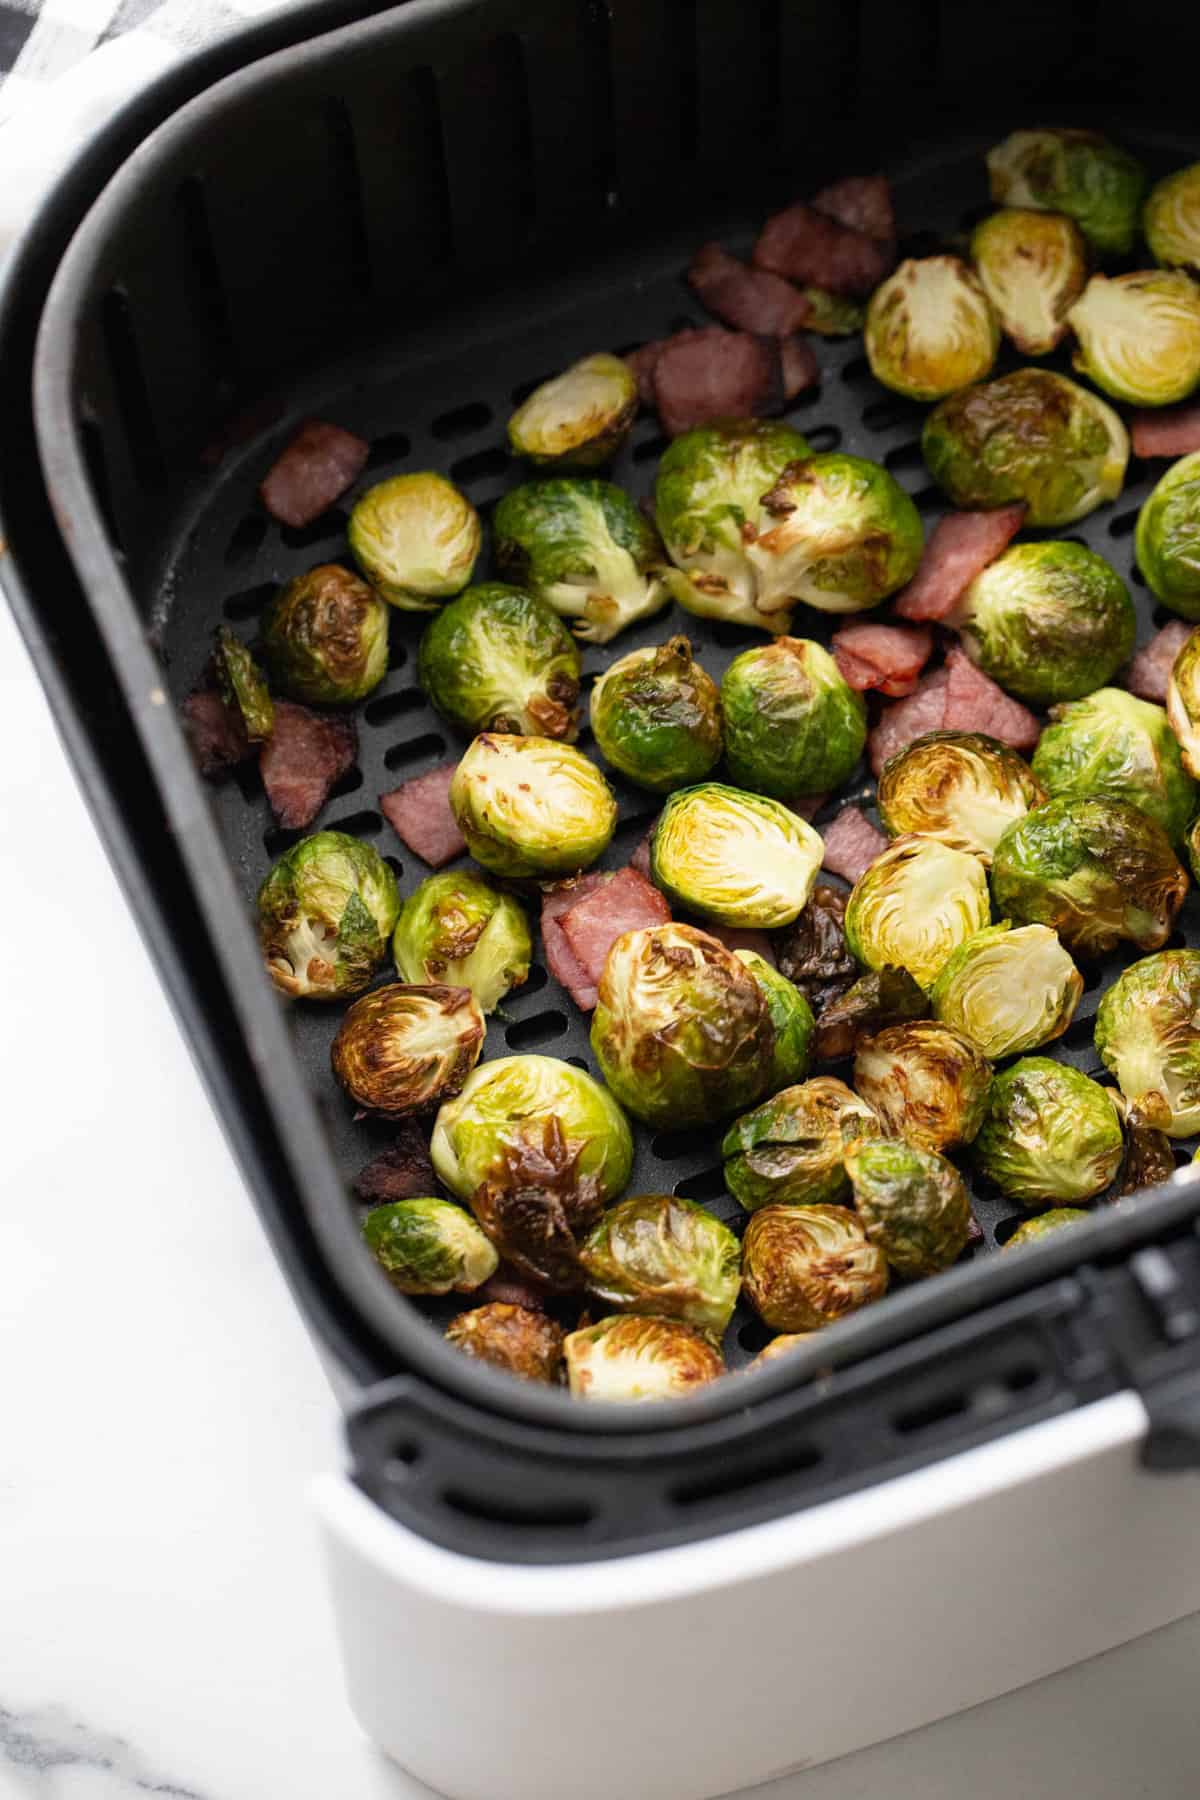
x=841, y=534
x=1033, y=267
x=886, y=996
x=1148, y=1036
x=1048, y=621
x=325, y=913
x=579, y=419
x=402, y=1049
x=927, y=1083
x=1080, y=173
x=791, y=1016
x=656, y=716
x=1171, y=219
x=1139, y=335
x=1168, y=537
x=416, y=539
x=959, y=787
x=429, y=1247
x=912, y=1204
x=812, y=952
x=793, y=725
x=1183, y=708
x=241, y=686
x=931, y=329
x=522, y=1343
x=496, y=659
x=737, y=858
x=1050, y=1134
x=832, y=315
x=325, y=637
x=658, y=1254
x=402, y=1171
x=584, y=548
x=1008, y=991
x=790, y=1150
x=1044, y=1224
x=805, y=1266
x=1115, y=746
x=531, y=806
x=1148, y=1156
x=915, y=904
x=632, y=1358
x=458, y=929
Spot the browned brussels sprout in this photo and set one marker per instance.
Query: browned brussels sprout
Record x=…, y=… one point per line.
x=931, y=328
x=659, y=1254
x=325, y=637
x=912, y=1204
x=324, y=915
x=578, y=419
x=927, y=1083
x=1079, y=173
x=1033, y=266
x=522, y=1343
x=631, y=1358
x=1050, y=1134
x=402, y=1050
x=1044, y=1225
x=789, y=1151
x=960, y=787
x=805, y=1266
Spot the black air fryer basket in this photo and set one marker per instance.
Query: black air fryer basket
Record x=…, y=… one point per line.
x=402, y=221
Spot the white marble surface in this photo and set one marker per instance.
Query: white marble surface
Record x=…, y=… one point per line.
x=163, y=1628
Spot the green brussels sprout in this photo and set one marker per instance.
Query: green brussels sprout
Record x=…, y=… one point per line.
x=496, y=659
x=1050, y=1133
x=740, y=859
x=325, y=913
x=1183, y=707
x=927, y=1083
x=585, y=548
x=1114, y=746
x=1171, y=219
x=325, y=637
x=1148, y=1158
x=242, y=687
x=631, y=1358
x=880, y=998
x=429, y=1247
x=842, y=536
x=579, y=419
x=789, y=1151
x=1031, y=436
x=1097, y=871
x=656, y=716
x=791, y=1016
x=416, y=538
x=537, y=1149
x=1148, y=1036
x=1139, y=335
x=915, y=904
x=930, y=328
x=682, y=1030
x=658, y=1254
x=405, y=1049
x=911, y=1202
x=832, y=315
x=531, y=806
x=959, y=787
x=1168, y=537
x=805, y=1266
x=1031, y=1229
x=458, y=929
x=513, y=1338
x=1008, y=991
x=1193, y=850
x=793, y=725
x=1033, y=267
x=1049, y=621
x=1079, y=173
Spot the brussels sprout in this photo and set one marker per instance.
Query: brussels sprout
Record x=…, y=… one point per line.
x=805, y=1266
x=631, y=1358
x=429, y=1247
x=1049, y=621
x=416, y=539
x=579, y=419
x=657, y=717
x=930, y=328
x=1050, y=1134
x=682, y=1030
x=1008, y=991
x=779, y=1346
x=402, y=1049
x=531, y=806
x=1139, y=335
x=926, y=1081
x=1148, y=1036
x=1168, y=537
x=791, y=1016
x=522, y=1343
x=842, y=535
x=912, y=1204
x=1171, y=219
x=459, y=930
x=537, y=1149
x=1096, y=870
x=655, y=1253
x=1032, y=436
x=793, y=725
x=740, y=859
x=1148, y=1157
x=882, y=997
x=1115, y=746
x=242, y=687
x=1183, y=707
x=832, y=315
x=1033, y=267
x=325, y=637
x=1079, y=173
x=789, y=1151
x=1044, y=1224
x=914, y=905
x=586, y=549
x=496, y=659
x=959, y=787
x=325, y=912
x=1193, y=850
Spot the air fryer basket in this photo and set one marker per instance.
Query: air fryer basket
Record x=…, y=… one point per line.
x=403, y=225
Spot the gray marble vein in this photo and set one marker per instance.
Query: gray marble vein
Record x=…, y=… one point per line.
x=33, y=1745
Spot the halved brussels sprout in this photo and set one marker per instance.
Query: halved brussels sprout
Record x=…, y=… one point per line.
x=496, y=659
x=579, y=419
x=842, y=535
x=959, y=787
x=531, y=806
x=404, y=1049
x=1044, y=1224
x=681, y=1030
x=805, y=1266
x=1168, y=537
x=790, y=1150
x=537, y=1149
x=791, y=1015
x=242, y=687
x=1079, y=173
x=657, y=717
x=632, y=1358
x=882, y=997
x=1171, y=219
x=1148, y=1158
x=458, y=929
x=586, y=549
x=1033, y=267
x=416, y=539
x=1097, y=871
x=1032, y=436
x=912, y=1204
x=915, y=904
x=793, y=725
x=325, y=912
x=659, y=1254
x=429, y=1247
x=779, y=1346
x=1008, y=991
x=1148, y=1036
x=325, y=637
x=1115, y=746
x=522, y=1343
x=1139, y=335
x=1050, y=1134
x=738, y=858
x=927, y=1082
x=1183, y=709
x=1049, y=621
x=930, y=328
